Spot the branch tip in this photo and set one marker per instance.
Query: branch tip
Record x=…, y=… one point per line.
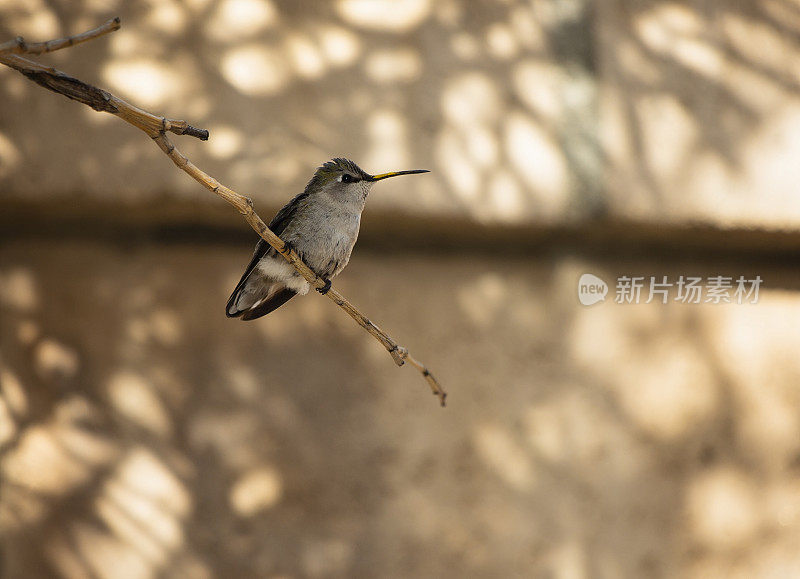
x=201, y=134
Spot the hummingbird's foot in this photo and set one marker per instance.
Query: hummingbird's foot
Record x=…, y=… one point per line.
x=324, y=289
x=287, y=246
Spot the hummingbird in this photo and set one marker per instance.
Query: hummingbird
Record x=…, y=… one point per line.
x=321, y=225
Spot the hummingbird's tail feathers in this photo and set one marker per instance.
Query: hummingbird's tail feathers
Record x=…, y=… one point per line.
x=241, y=299
x=265, y=306
x=255, y=297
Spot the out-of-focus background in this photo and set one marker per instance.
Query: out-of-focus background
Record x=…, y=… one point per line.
x=143, y=434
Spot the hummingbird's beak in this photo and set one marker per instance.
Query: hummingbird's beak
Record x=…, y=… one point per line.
x=395, y=174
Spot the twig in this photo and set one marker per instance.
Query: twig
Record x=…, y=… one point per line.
x=19, y=46
x=156, y=128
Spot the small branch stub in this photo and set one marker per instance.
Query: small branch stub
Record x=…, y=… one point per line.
x=201, y=134
x=157, y=127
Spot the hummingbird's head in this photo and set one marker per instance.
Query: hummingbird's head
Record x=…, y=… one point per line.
x=344, y=180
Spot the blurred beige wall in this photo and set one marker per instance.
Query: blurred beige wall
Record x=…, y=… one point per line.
x=700, y=110
x=533, y=112
x=144, y=435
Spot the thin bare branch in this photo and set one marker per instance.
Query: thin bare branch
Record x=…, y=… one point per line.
x=156, y=128
x=19, y=46
x=98, y=99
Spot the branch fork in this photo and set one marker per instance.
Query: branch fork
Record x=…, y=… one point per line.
x=157, y=128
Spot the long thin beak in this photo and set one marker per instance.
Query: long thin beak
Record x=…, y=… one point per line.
x=396, y=173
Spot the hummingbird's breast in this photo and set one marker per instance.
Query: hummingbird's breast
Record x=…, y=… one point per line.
x=326, y=242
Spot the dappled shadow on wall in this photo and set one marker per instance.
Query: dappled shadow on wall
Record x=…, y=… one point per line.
x=542, y=110
x=134, y=435
x=138, y=425
x=475, y=93
x=700, y=109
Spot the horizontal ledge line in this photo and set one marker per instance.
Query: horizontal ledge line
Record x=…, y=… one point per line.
x=212, y=222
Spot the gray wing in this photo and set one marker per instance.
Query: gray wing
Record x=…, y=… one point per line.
x=277, y=225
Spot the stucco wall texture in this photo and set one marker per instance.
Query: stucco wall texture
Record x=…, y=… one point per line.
x=144, y=435
x=527, y=112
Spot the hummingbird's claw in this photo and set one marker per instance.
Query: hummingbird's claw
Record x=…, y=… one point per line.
x=324, y=289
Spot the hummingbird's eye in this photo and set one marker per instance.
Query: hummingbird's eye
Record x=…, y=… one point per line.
x=348, y=178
